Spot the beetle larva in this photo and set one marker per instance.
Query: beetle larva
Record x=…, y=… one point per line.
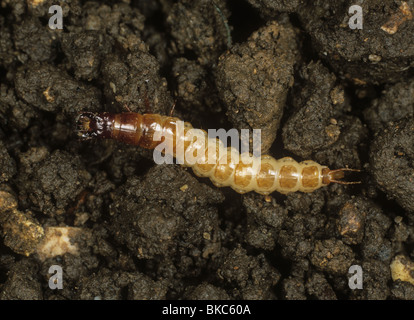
x=284, y=175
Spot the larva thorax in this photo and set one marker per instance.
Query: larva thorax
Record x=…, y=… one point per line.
x=224, y=166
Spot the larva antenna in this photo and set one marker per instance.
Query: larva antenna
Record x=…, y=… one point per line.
x=334, y=176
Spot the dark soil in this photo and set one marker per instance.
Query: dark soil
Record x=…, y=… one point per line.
x=317, y=89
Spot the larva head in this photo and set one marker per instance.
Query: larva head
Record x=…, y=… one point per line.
x=91, y=125
x=335, y=176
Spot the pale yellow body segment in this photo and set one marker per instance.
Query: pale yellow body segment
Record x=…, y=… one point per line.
x=263, y=175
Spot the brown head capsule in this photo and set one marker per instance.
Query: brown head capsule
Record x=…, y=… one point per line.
x=94, y=125
x=283, y=175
